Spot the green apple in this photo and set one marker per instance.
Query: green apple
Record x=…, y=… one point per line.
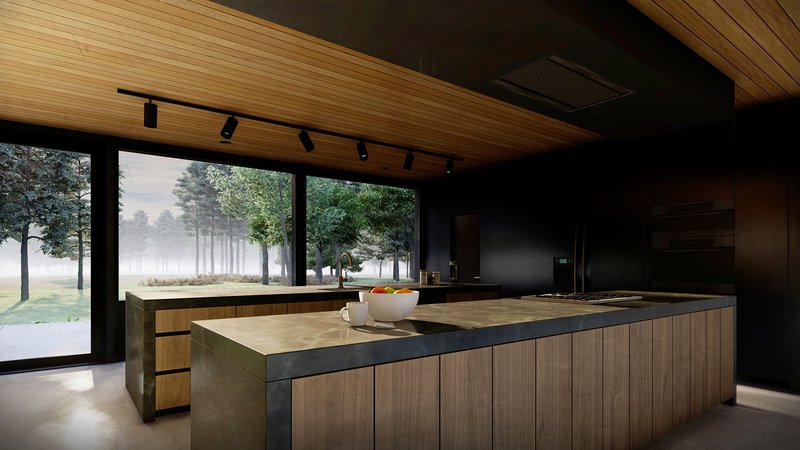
x=389, y=290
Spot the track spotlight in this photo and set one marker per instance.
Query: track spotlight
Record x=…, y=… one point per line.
x=229, y=127
x=362, y=151
x=308, y=144
x=409, y=161
x=150, y=115
x=151, y=121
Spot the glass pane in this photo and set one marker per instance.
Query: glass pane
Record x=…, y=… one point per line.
x=195, y=225
x=45, y=252
x=373, y=223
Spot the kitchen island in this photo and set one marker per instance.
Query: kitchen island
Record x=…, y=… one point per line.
x=508, y=373
x=157, y=323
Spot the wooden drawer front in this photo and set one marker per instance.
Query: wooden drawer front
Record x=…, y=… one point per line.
x=336, y=305
x=488, y=295
x=173, y=352
x=460, y=297
x=168, y=320
x=304, y=307
x=261, y=310
x=173, y=390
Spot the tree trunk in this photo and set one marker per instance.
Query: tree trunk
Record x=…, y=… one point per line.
x=380, y=268
x=80, y=258
x=196, y=251
x=289, y=272
x=238, y=260
x=282, y=216
x=264, y=264
x=244, y=257
x=211, y=248
x=230, y=250
x=318, y=264
x=23, y=260
x=204, y=253
x=396, y=266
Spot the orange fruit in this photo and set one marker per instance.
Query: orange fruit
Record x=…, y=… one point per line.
x=403, y=291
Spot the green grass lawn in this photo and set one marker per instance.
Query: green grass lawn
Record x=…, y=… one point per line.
x=45, y=306
x=55, y=299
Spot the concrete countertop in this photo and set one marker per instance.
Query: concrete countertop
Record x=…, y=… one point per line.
x=287, y=346
x=191, y=298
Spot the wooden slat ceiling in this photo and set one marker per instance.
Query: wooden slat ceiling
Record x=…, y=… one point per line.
x=756, y=43
x=62, y=62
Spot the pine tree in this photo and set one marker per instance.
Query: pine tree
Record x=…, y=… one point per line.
x=35, y=188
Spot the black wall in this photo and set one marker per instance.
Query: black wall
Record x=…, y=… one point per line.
x=529, y=209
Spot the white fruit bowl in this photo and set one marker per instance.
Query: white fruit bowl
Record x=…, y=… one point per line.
x=389, y=307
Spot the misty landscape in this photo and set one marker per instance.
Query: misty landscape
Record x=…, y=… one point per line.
x=183, y=225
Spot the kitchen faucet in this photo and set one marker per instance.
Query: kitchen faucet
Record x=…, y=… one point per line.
x=350, y=264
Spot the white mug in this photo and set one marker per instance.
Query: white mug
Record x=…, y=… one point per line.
x=355, y=313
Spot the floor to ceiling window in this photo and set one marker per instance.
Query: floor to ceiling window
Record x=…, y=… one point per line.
x=45, y=252
x=196, y=225
x=373, y=223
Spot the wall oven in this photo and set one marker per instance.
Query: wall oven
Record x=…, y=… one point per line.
x=693, y=247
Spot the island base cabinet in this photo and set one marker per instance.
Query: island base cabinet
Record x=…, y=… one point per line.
x=614, y=387
x=228, y=404
x=466, y=399
x=334, y=410
x=407, y=405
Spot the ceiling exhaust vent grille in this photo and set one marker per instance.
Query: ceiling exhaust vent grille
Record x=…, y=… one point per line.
x=561, y=83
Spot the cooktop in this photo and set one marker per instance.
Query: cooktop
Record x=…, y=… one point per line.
x=593, y=297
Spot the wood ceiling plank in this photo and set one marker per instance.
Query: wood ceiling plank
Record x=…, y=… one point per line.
x=337, y=56
x=779, y=21
x=683, y=30
x=771, y=51
x=390, y=126
x=707, y=29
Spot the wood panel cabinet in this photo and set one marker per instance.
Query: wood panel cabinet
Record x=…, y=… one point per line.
x=587, y=389
x=173, y=390
x=514, y=394
x=407, y=404
x=554, y=392
x=173, y=352
x=698, y=363
x=663, y=416
x=334, y=410
x=681, y=368
x=172, y=320
x=616, y=387
x=261, y=310
x=466, y=399
x=713, y=335
x=641, y=383
x=306, y=307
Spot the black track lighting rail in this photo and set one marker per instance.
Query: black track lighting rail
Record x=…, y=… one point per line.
x=229, y=113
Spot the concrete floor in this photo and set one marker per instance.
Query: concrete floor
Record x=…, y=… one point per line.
x=40, y=340
x=88, y=408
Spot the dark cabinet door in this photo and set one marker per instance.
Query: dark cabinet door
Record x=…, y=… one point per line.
x=762, y=288
x=466, y=246
x=616, y=243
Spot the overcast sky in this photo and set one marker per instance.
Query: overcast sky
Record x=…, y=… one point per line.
x=148, y=184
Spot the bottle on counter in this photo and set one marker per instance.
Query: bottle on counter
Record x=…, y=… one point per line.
x=453, y=271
